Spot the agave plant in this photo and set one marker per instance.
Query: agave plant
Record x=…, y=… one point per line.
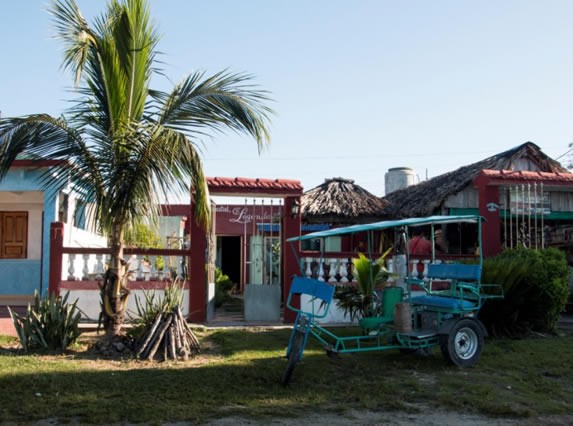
x=363, y=300
x=49, y=323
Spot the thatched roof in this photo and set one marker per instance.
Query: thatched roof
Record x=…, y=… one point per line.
x=340, y=201
x=427, y=197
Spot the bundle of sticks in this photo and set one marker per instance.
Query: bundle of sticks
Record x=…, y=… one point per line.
x=169, y=338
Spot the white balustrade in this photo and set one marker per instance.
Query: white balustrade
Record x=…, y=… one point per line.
x=390, y=269
x=179, y=274
x=425, y=262
x=99, y=269
x=332, y=270
x=87, y=267
x=320, y=271
x=343, y=271
x=340, y=269
x=308, y=270
x=71, y=267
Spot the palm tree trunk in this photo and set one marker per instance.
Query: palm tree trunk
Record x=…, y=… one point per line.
x=114, y=291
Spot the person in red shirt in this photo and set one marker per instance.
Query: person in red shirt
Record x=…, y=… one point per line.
x=419, y=245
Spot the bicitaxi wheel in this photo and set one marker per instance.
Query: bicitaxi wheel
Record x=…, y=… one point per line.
x=463, y=345
x=293, y=356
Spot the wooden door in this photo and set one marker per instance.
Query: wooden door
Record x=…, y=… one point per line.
x=13, y=235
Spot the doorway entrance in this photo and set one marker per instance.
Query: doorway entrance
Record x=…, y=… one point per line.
x=229, y=257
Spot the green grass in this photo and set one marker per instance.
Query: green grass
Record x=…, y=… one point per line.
x=239, y=372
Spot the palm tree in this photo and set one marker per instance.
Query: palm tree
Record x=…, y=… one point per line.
x=125, y=145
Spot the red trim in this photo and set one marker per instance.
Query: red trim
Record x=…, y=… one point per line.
x=38, y=163
x=56, y=255
x=291, y=228
x=238, y=185
x=198, y=273
x=505, y=177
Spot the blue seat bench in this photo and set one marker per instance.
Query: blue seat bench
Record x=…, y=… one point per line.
x=463, y=293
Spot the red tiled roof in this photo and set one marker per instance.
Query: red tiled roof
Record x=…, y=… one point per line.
x=502, y=177
x=238, y=185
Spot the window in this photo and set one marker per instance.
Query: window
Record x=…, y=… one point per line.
x=331, y=244
x=13, y=235
x=310, y=245
x=80, y=215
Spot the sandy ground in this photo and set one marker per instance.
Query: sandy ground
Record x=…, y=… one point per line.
x=356, y=417
x=374, y=418
x=428, y=418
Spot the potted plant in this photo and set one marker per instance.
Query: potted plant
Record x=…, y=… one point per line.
x=364, y=301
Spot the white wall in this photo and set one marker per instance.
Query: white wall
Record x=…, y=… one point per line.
x=89, y=301
x=335, y=315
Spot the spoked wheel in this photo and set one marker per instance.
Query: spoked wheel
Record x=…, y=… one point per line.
x=463, y=345
x=293, y=357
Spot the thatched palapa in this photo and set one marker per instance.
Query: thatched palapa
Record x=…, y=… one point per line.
x=427, y=198
x=340, y=201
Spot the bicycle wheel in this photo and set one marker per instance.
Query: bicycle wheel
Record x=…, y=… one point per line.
x=293, y=356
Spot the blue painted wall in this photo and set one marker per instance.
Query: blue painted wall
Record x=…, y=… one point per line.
x=21, y=276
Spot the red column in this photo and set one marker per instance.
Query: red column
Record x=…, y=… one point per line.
x=197, y=272
x=489, y=208
x=291, y=228
x=56, y=255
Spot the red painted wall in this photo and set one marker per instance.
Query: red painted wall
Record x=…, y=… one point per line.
x=242, y=219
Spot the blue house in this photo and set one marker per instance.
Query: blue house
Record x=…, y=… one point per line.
x=26, y=211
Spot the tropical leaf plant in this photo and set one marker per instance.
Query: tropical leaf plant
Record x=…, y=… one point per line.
x=364, y=299
x=49, y=323
x=122, y=145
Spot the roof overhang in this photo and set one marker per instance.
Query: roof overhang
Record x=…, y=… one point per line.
x=509, y=177
x=224, y=186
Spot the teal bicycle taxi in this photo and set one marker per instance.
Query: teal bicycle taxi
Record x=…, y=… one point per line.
x=416, y=316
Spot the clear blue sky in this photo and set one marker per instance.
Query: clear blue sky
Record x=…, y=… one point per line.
x=359, y=86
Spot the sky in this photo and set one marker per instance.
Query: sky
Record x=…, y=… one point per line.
x=358, y=87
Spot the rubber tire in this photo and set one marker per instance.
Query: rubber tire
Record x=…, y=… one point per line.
x=293, y=357
x=463, y=345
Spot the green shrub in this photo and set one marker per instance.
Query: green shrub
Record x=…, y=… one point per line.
x=50, y=323
x=142, y=236
x=223, y=285
x=535, y=284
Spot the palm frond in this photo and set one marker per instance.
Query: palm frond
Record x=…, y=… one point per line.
x=222, y=101
x=73, y=29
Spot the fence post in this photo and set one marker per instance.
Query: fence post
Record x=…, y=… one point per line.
x=198, y=273
x=56, y=255
x=291, y=267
